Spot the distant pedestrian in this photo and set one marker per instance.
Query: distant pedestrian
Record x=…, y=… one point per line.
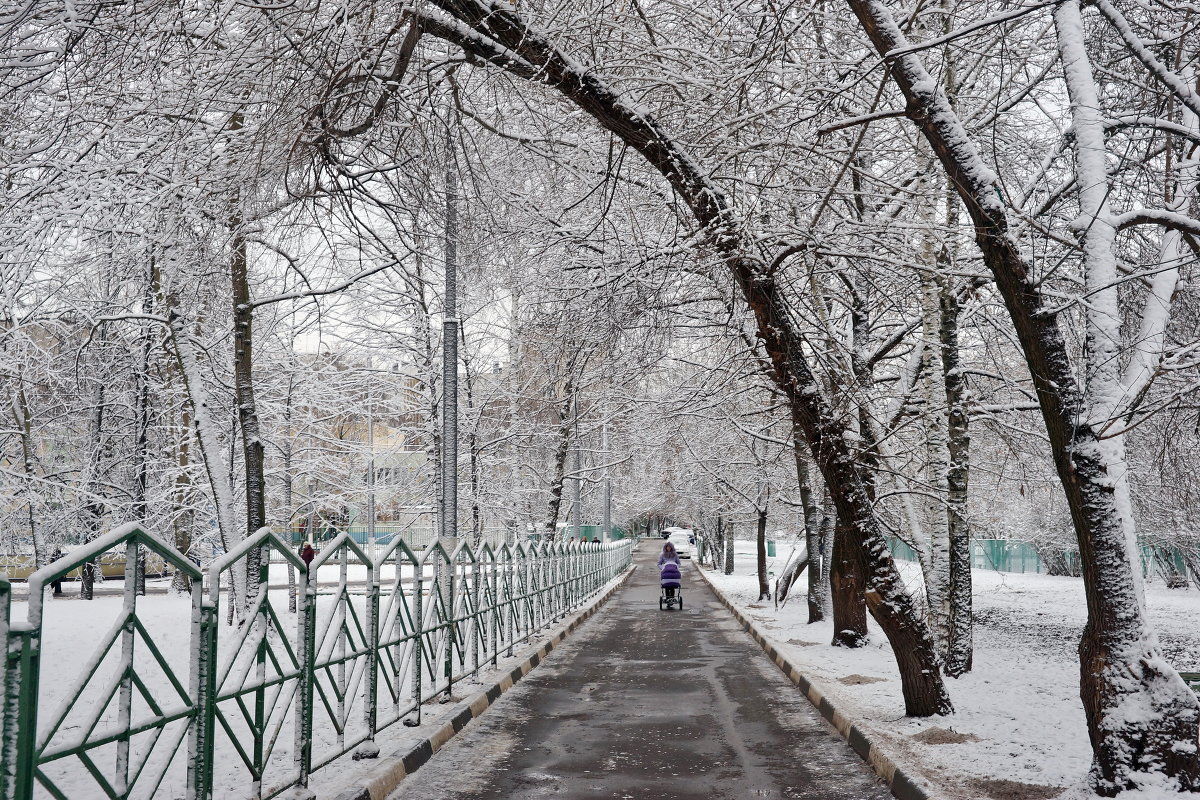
x=307, y=554
x=56, y=584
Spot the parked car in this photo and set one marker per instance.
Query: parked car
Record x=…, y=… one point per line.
x=684, y=542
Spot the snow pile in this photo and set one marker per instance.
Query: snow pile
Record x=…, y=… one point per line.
x=1018, y=730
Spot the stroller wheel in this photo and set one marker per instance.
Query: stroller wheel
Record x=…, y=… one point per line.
x=660, y=604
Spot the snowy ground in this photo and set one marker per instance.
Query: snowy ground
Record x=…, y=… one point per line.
x=1018, y=731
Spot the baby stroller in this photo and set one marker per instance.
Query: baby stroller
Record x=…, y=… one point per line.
x=671, y=581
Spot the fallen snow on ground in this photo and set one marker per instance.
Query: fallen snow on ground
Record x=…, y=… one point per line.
x=1018, y=730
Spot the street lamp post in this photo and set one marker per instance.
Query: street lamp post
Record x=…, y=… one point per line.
x=576, y=467
x=449, y=512
x=606, y=535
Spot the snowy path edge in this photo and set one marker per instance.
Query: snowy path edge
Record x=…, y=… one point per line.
x=901, y=785
x=392, y=769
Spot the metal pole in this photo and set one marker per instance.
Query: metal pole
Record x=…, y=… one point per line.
x=449, y=533
x=450, y=359
x=576, y=467
x=371, y=478
x=606, y=535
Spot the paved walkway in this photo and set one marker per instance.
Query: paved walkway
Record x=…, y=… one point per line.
x=641, y=703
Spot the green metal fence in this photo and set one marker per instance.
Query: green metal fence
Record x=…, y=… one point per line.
x=1008, y=555
x=250, y=708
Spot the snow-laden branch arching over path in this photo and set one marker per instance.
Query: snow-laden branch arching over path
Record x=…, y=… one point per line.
x=497, y=35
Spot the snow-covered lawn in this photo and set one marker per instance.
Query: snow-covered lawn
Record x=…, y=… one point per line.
x=1018, y=730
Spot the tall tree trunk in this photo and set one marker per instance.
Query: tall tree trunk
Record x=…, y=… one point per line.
x=847, y=583
x=94, y=507
x=960, y=644
x=936, y=516
x=764, y=586
x=727, y=559
x=561, y=450
x=826, y=528
x=212, y=454
x=185, y=515
x=24, y=425
x=472, y=442
x=718, y=554
x=1141, y=716
x=430, y=381
x=289, y=482
x=142, y=420
x=253, y=453
x=960, y=647
x=812, y=535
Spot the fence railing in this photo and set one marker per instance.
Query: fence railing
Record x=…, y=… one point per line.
x=417, y=537
x=175, y=701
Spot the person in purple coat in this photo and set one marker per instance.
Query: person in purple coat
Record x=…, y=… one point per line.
x=668, y=554
x=670, y=577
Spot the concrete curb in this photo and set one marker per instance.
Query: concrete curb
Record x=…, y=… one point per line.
x=902, y=786
x=392, y=769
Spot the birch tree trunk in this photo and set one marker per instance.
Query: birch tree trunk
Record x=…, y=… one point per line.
x=24, y=426
x=561, y=448
x=289, y=480
x=184, y=508
x=960, y=646
x=253, y=454
x=812, y=534
x=937, y=524
x=212, y=453
x=93, y=508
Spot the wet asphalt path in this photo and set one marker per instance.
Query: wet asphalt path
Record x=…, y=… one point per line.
x=641, y=703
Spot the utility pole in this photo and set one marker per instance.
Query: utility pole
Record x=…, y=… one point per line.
x=371, y=474
x=606, y=536
x=577, y=466
x=449, y=511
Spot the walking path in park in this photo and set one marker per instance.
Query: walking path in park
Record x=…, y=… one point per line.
x=643, y=703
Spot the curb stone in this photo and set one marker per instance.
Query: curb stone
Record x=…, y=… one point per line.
x=901, y=785
x=392, y=769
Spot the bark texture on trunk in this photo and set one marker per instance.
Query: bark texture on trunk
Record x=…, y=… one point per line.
x=936, y=516
x=253, y=454
x=847, y=584
x=764, y=586
x=561, y=450
x=817, y=564
x=960, y=647
x=1141, y=716
x=184, y=513
x=24, y=427
x=212, y=454
x=94, y=509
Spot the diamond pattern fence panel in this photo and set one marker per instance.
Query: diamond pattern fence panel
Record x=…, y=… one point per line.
x=226, y=692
